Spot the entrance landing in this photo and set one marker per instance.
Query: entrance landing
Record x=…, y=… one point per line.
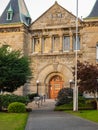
x=49, y=104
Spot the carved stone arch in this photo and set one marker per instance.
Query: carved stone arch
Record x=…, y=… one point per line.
x=55, y=67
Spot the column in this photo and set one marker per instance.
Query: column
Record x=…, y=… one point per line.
x=61, y=43
x=71, y=41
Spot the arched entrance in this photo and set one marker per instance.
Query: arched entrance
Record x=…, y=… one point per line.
x=55, y=84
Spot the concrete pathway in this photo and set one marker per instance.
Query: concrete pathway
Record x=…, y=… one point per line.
x=44, y=118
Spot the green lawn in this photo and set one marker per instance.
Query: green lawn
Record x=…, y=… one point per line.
x=87, y=114
x=13, y=121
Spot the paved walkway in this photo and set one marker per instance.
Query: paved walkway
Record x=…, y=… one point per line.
x=44, y=118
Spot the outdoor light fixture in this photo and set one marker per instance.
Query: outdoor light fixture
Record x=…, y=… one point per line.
x=37, y=84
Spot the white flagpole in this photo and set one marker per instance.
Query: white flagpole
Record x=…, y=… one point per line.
x=75, y=103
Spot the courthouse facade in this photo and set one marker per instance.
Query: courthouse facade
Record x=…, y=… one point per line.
x=50, y=42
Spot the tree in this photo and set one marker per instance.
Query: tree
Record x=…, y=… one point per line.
x=87, y=78
x=14, y=69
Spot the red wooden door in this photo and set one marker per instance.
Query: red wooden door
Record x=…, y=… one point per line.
x=56, y=83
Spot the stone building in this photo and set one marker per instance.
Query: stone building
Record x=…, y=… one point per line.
x=50, y=42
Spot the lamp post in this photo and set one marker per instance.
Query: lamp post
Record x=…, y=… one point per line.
x=71, y=82
x=75, y=95
x=37, y=84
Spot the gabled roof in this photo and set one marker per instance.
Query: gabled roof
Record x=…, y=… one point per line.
x=94, y=12
x=55, y=16
x=19, y=12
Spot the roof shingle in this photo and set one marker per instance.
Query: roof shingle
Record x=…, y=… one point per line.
x=20, y=13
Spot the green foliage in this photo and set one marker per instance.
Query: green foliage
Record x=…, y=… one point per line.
x=65, y=96
x=14, y=69
x=92, y=102
x=87, y=75
x=81, y=106
x=5, y=100
x=16, y=107
x=31, y=96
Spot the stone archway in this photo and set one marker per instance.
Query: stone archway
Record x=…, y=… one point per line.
x=47, y=74
x=55, y=84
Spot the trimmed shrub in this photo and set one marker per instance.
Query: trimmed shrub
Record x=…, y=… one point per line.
x=16, y=107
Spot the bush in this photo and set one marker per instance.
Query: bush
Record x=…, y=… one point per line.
x=5, y=100
x=92, y=102
x=16, y=107
x=65, y=96
x=31, y=96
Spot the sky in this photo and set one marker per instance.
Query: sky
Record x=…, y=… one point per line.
x=38, y=7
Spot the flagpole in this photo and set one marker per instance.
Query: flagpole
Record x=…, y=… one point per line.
x=75, y=100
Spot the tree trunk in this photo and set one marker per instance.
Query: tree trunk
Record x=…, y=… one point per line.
x=95, y=97
x=97, y=104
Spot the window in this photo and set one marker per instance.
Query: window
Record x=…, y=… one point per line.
x=10, y=13
x=46, y=46
x=76, y=46
x=36, y=45
x=56, y=43
x=59, y=15
x=66, y=43
x=97, y=52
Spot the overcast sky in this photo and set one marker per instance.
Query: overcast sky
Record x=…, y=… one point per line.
x=38, y=7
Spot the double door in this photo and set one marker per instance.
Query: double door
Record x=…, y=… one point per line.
x=56, y=83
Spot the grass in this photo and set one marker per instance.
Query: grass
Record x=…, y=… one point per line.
x=70, y=107
x=63, y=107
x=91, y=115
x=13, y=121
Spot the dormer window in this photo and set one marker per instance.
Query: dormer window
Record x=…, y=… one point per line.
x=10, y=13
x=28, y=19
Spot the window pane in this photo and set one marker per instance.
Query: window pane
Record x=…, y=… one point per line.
x=56, y=43
x=46, y=46
x=36, y=45
x=66, y=43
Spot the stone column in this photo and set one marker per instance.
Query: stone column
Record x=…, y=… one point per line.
x=42, y=44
